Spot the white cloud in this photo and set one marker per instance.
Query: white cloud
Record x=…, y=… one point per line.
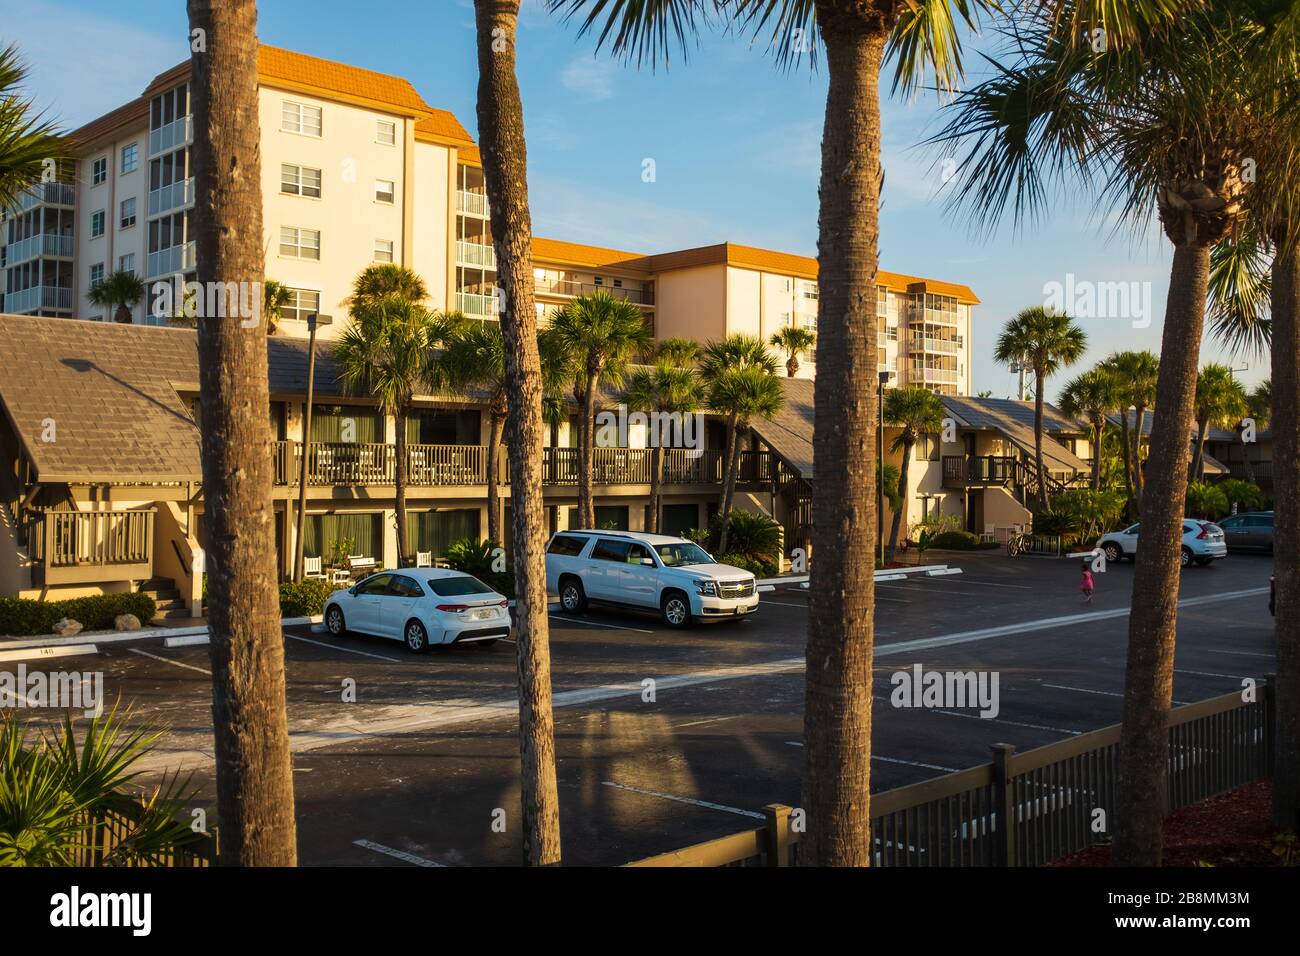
x=589, y=78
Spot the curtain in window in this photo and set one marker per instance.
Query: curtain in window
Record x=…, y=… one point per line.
x=324, y=533
x=327, y=424
x=435, y=530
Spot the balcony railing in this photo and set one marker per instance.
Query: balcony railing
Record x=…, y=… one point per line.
x=77, y=547
x=962, y=470
x=38, y=297
x=568, y=287
x=174, y=196
x=919, y=343
x=179, y=132
x=932, y=317
x=345, y=463
x=476, y=254
x=919, y=373
x=167, y=262
x=471, y=303
x=34, y=247
x=52, y=194
x=472, y=204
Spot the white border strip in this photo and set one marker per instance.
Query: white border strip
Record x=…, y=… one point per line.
x=63, y=650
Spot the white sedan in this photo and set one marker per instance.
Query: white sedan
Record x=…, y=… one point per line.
x=420, y=607
x=1202, y=543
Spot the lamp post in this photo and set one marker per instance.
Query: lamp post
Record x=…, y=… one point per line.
x=313, y=320
x=884, y=377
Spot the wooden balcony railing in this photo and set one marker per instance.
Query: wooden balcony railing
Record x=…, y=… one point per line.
x=960, y=470
x=74, y=547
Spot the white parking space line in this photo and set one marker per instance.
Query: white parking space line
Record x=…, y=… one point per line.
x=1100, y=693
x=709, y=720
x=168, y=660
x=996, y=584
x=1011, y=723
x=1219, y=650
x=345, y=650
x=912, y=586
x=617, y=627
x=910, y=763
x=676, y=799
x=1179, y=670
x=399, y=854
x=783, y=604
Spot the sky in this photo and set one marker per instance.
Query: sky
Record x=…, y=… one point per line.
x=734, y=138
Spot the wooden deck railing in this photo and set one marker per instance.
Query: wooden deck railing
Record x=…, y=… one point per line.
x=71, y=547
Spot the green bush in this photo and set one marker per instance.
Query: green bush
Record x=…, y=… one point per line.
x=956, y=541
x=472, y=557
x=304, y=598
x=1205, y=501
x=1245, y=495
x=746, y=564
x=24, y=618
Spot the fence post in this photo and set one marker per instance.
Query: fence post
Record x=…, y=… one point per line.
x=1270, y=716
x=1004, y=802
x=777, y=834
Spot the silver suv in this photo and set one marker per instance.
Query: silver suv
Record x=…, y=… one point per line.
x=631, y=569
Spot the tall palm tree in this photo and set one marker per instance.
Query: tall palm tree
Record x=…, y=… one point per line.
x=1045, y=340
x=1164, y=123
x=253, y=765
x=1259, y=409
x=28, y=143
x=385, y=280
x=505, y=169
x=668, y=388
x=603, y=334
x=384, y=353
x=917, y=411
x=1220, y=401
x=923, y=38
x=742, y=394
x=1093, y=396
x=275, y=299
x=119, y=292
x=794, y=340
x=1135, y=374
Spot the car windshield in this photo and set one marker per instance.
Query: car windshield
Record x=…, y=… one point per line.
x=458, y=585
x=681, y=554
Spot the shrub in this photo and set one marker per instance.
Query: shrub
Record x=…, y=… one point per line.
x=1243, y=494
x=304, y=598
x=472, y=557
x=746, y=564
x=21, y=617
x=956, y=540
x=1205, y=501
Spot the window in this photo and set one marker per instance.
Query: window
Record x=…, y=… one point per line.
x=383, y=250
x=302, y=303
x=609, y=549
x=375, y=585
x=126, y=217
x=386, y=133
x=96, y=274
x=126, y=263
x=299, y=243
x=299, y=180
x=130, y=158
x=300, y=118
x=383, y=191
x=600, y=280
x=882, y=299
x=927, y=448
x=570, y=545
x=637, y=553
x=96, y=224
x=457, y=586
x=402, y=586
x=99, y=171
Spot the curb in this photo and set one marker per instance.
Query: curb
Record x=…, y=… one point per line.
x=884, y=574
x=173, y=637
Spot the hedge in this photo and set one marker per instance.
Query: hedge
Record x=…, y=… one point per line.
x=961, y=541
x=304, y=598
x=21, y=617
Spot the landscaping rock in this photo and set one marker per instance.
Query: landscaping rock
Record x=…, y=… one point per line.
x=67, y=627
x=126, y=622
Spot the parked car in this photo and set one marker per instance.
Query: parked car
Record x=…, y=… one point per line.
x=673, y=576
x=1250, y=531
x=1202, y=543
x=420, y=607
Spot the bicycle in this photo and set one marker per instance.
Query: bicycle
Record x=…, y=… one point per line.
x=1018, y=543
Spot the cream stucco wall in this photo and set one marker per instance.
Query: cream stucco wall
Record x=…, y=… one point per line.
x=692, y=303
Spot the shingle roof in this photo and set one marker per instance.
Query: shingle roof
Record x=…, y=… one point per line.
x=1014, y=420
x=790, y=432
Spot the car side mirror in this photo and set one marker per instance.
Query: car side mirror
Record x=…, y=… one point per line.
x=648, y=562
x=353, y=590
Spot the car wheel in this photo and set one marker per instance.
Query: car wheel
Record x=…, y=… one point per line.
x=1203, y=561
x=335, y=622
x=573, y=598
x=676, y=609
x=1113, y=552
x=415, y=637
x=1185, y=557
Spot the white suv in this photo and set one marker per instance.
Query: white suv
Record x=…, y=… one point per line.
x=674, y=576
x=1202, y=543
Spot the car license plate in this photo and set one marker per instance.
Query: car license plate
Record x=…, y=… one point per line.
x=482, y=615
x=742, y=609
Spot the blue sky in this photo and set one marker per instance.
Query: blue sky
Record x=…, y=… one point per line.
x=735, y=142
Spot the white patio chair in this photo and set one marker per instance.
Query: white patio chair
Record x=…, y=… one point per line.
x=424, y=559
x=311, y=568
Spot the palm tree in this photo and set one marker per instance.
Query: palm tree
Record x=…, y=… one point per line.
x=1135, y=374
x=742, y=394
x=1259, y=409
x=1164, y=123
x=253, y=764
x=923, y=37
x=385, y=353
x=505, y=169
x=669, y=388
x=385, y=279
x=1092, y=396
x=793, y=340
x=1045, y=340
x=917, y=411
x=28, y=144
x=1220, y=401
x=275, y=298
x=119, y=292
x=603, y=334
x=475, y=357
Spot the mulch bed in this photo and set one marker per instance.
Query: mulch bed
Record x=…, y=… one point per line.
x=1233, y=829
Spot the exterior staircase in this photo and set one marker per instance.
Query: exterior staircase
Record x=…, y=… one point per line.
x=168, y=598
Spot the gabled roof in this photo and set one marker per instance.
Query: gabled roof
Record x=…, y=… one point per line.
x=578, y=254
x=1014, y=421
x=790, y=432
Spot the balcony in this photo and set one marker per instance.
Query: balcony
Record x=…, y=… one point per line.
x=336, y=464
x=39, y=246
x=475, y=254
x=174, y=196
x=943, y=376
x=176, y=133
x=918, y=316
x=919, y=343
x=567, y=287
x=51, y=194
x=167, y=262
x=478, y=306
x=85, y=547
x=472, y=204
x=37, y=298
x=964, y=471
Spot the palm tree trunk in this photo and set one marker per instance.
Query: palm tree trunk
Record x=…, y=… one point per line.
x=837, y=708
x=896, y=524
x=1139, y=476
x=656, y=486
x=404, y=556
x=733, y=440
x=505, y=168
x=1286, y=530
x=253, y=766
x=1148, y=679
x=792, y=366
x=729, y=490
x=494, y=480
x=1098, y=437
x=1039, y=375
x=1198, y=459
x=1127, y=451
x=587, y=467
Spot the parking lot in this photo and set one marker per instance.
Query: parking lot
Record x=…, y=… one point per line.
x=666, y=737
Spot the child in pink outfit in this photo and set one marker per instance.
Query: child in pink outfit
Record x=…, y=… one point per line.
x=1085, y=584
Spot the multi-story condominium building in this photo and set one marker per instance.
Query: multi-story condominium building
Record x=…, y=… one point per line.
x=358, y=168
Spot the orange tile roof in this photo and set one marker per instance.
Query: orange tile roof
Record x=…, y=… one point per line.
x=275, y=64
x=577, y=254
x=443, y=127
x=469, y=155
x=96, y=130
